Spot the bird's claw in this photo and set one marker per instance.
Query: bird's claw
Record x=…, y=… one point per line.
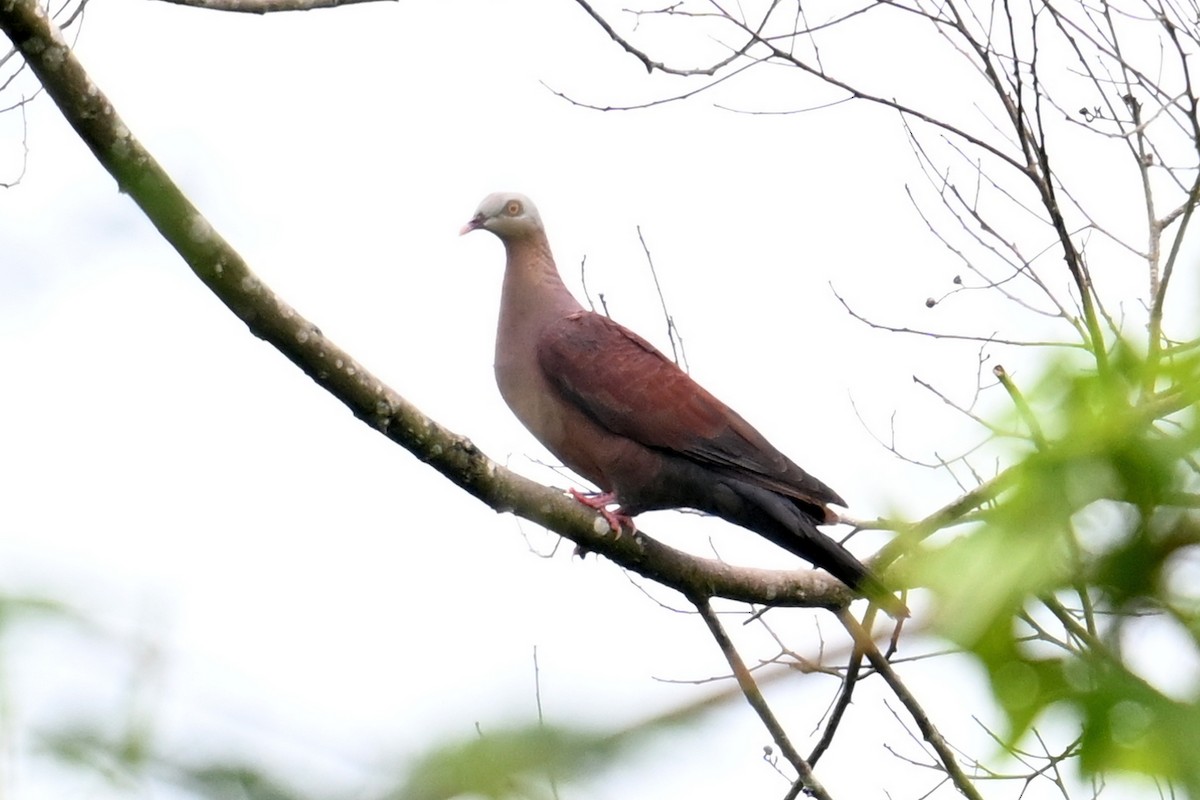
x=598, y=503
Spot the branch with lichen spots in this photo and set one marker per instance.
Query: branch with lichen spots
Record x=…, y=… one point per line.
x=268, y=317
x=267, y=6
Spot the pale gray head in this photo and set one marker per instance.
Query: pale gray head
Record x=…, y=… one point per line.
x=509, y=215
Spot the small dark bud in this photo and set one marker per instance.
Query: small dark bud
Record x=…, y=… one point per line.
x=930, y=302
x=958, y=280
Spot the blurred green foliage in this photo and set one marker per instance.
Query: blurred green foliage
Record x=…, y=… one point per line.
x=512, y=763
x=1099, y=519
x=1096, y=532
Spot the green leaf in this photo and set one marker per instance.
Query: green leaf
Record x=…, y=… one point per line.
x=515, y=762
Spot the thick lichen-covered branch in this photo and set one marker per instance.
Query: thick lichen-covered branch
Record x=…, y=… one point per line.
x=266, y=6
x=223, y=271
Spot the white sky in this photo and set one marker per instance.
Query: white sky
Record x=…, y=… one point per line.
x=314, y=593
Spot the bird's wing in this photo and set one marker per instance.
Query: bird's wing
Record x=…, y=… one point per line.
x=630, y=388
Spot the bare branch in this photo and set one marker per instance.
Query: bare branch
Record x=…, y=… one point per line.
x=910, y=535
x=994, y=429
x=679, y=356
x=8, y=184
x=267, y=316
x=651, y=65
x=651, y=103
x=1022, y=406
x=861, y=94
x=267, y=6
x=756, y=700
x=928, y=730
x=845, y=694
x=954, y=336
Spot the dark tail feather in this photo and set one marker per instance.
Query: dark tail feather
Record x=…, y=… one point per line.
x=781, y=521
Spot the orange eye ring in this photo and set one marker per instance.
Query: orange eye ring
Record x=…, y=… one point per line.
x=513, y=208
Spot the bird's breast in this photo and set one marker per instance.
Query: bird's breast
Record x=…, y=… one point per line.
x=564, y=430
x=525, y=391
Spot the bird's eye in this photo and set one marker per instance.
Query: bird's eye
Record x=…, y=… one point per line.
x=513, y=209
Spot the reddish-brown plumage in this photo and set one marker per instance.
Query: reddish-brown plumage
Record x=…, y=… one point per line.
x=633, y=390
x=620, y=413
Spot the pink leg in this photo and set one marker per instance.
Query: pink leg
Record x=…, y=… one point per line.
x=598, y=502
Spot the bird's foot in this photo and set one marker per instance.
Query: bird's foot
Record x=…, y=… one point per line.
x=599, y=502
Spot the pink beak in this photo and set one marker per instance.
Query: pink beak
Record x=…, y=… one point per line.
x=475, y=224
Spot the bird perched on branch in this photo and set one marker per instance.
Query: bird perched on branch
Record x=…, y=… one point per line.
x=624, y=416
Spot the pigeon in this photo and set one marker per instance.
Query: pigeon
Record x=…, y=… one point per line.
x=621, y=414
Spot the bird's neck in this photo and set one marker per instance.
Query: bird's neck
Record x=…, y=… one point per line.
x=532, y=285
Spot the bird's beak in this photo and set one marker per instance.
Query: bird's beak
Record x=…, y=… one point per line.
x=475, y=224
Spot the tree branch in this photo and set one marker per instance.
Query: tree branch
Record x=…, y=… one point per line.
x=754, y=697
x=268, y=317
x=267, y=6
x=862, y=639
x=651, y=65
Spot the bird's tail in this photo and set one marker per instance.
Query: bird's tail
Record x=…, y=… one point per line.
x=782, y=521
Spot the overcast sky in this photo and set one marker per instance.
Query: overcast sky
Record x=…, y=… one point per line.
x=310, y=591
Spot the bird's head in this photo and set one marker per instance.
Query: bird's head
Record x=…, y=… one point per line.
x=507, y=214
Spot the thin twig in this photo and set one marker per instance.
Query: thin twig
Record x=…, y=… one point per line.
x=678, y=355
x=924, y=724
x=1022, y=406
x=537, y=693
x=849, y=681
x=993, y=339
x=756, y=700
